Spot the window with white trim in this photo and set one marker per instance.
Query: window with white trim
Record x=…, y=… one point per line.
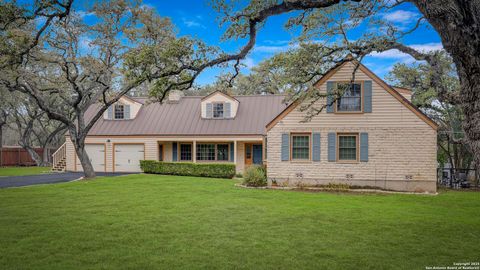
x=119, y=111
x=205, y=151
x=218, y=110
x=212, y=152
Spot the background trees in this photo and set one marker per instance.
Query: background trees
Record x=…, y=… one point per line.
x=50, y=61
x=327, y=23
x=417, y=77
x=128, y=45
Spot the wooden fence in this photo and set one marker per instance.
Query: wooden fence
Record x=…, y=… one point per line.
x=17, y=156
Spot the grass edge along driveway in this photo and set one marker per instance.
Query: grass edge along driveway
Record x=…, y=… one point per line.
x=171, y=222
x=20, y=171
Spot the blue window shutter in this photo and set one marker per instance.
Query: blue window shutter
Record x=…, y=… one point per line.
x=285, y=147
x=209, y=112
x=232, y=151
x=364, y=147
x=126, y=112
x=330, y=86
x=227, y=110
x=332, y=145
x=316, y=147
x=367, y=95
x=110, y=112
x=174, y=151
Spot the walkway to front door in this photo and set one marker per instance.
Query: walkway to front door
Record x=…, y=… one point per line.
x=253, y=154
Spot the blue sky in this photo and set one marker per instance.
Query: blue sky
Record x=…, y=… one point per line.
x=196, y=18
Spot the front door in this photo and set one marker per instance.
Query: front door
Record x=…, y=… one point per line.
x=248, y=154
x=253, y=154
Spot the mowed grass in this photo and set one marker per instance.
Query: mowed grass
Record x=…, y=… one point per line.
x=167, y=222
x=18, y=171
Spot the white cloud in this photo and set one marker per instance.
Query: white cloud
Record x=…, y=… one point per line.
x=193, y=22
x=273, y=49
x=401, y=16
x=147, y=6
x=84, y=43
x=82, y=14
x=249, y=63
x=277, y=42
x=396, y=54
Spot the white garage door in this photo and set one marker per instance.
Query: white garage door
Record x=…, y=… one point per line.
x=128, y=156
x=96, y=153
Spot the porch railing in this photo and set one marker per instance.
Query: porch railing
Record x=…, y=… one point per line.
x=60, y=154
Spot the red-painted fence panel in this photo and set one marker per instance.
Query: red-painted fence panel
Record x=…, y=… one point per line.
x=17, y=156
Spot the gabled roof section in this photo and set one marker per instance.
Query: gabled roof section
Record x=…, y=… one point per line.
x=221, y=93
x=184, y=118
x=131, y=99
x=402, y=90
x=374, y=77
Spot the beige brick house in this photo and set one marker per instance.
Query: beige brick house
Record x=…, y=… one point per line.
x=372, y=136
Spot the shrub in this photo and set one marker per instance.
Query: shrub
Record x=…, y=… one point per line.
x=215, y=170
x=337, y=186
x=239, y=175
x=255, y=176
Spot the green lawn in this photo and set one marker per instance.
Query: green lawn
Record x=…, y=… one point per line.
x=165, y=222
x=17, y=171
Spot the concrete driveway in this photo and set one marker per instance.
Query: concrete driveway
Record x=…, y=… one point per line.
x=50, y=178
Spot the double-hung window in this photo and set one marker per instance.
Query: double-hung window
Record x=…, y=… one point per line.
x=351, y=99
x=185, y=152
x=119, y=111
x=348, y=147
x=212, y=152
x=205, y=151
x=222, y=152
x=218, y=110
x=300, y=146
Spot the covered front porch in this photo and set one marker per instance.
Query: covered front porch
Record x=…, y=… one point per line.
x=242, y=152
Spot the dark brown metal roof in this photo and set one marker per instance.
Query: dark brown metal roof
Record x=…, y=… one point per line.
x=184, y=118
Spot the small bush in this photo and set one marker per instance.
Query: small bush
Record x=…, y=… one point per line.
x=337, y=186
x=215, y=170
x=239, y=175
x=255, y=176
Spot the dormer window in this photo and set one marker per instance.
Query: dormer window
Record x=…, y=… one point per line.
x=119, y=111
x=219, y=106
x=218, y=110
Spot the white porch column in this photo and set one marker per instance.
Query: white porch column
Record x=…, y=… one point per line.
x=194, y=152
x=235, y=151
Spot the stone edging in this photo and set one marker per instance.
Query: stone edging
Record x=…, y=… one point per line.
x=340, y=190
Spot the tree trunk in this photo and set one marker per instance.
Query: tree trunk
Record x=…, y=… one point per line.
x=34, y=155
x=458, y=24
x=84, y=159
x=45, y=157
